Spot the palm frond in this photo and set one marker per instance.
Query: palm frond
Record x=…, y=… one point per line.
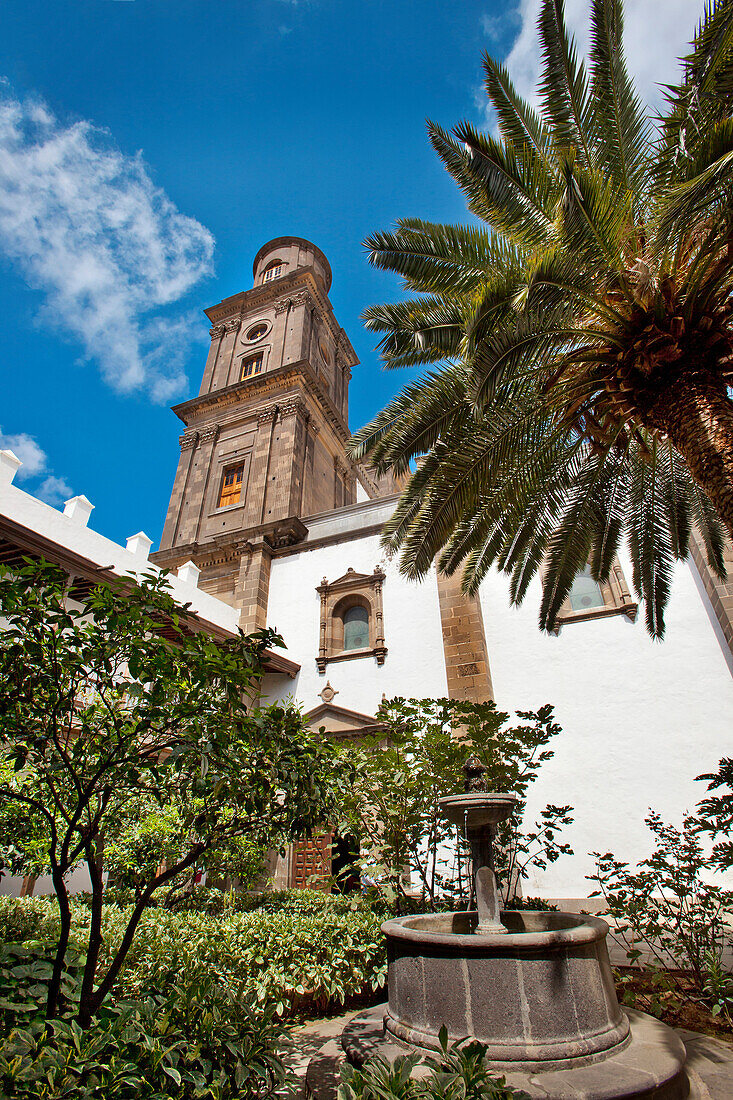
x=623, y=130
x=423, y=330
x=513, y=194
x=438, y=259
x=650, y=542
x=564, y=85
x=520, y=126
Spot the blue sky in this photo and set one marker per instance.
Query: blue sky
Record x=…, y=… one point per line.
x=149, y=147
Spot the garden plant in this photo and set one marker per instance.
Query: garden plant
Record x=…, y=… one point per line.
x=110, y=708
x=417, y=758
x=673, y=918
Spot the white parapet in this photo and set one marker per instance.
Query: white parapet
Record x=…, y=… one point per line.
x=9, y=465
x=139, y=545
x=189, y=573
x=79, y=509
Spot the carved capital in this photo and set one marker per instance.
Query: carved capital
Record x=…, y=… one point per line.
x=208, y=435
x=282, y=305
x=292, y=407
x=217, y=330
x=233, y=326
x=266, y=414
x=340, y=467
x=302, y=298
x=188, y=440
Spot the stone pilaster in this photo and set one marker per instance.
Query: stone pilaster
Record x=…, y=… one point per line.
x=464, y=643
x=252, y=589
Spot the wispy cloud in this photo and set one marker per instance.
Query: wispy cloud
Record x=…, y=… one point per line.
x=655, y=35
x=86, y=225
x=54, y=490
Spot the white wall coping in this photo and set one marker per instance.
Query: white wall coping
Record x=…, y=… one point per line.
x=66, y=532
x=9, y=465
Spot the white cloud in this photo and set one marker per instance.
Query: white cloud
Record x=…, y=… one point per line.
x=54, y=490
x=85, y=224
x=655, y=35
x=25, y=448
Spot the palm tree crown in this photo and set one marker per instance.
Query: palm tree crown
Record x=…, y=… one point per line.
x=583, y=334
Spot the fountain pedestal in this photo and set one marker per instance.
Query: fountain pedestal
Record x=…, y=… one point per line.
x=478, y=814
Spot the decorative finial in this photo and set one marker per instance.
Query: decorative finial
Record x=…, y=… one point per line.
x=475, y=775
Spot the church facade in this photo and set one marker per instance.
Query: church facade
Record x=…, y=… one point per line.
x=285, y=528
x=270, y=523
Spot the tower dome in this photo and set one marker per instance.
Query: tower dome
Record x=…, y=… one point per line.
x=283, y=255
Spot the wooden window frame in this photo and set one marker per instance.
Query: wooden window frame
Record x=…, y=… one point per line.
x=272, y=271
x=222, y=503
x=251, y=361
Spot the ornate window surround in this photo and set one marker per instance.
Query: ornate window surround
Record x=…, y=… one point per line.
x=617, y=600
x=350, y=590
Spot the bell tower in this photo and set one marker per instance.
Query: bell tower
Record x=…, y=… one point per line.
x=264, y=442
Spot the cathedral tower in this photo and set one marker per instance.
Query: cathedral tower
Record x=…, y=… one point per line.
x=265, y=440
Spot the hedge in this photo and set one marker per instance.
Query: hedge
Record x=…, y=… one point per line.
x=297, y=952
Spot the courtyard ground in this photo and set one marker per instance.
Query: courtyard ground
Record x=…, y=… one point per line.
x=709, y=1061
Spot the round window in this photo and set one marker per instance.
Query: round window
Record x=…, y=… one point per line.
x=256, y=332
x=324, y=354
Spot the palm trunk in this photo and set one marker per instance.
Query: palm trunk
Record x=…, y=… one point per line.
x=697, y=416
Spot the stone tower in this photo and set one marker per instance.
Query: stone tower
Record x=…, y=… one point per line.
x=264, y=441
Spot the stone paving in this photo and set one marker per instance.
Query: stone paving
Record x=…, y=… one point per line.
x=709, y=1061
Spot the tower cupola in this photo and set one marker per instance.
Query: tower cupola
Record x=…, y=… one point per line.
x=284, y=255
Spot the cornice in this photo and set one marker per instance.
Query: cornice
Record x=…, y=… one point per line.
x=265, y=385
x=275, y=295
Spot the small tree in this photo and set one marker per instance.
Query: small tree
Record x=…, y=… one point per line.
x=401, y=775
x=111, y=706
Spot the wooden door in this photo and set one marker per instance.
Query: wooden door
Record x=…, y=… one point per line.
x=310, y=868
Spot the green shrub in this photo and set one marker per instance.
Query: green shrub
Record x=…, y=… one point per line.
x=28, y=918
x=196, y=1040
x=535, y=904
x=293, y=957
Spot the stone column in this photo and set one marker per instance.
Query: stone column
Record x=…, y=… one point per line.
x=200, y=481
x=286, y=467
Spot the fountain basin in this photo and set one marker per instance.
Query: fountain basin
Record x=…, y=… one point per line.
x=478, y=808
x=539, y=995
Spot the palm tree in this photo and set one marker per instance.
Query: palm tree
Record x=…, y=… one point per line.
x=583, y=333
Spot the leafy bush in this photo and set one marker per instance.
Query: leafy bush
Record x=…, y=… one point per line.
x=401, y=774
x=292, y=957
x=533, y=904
x=459, y=1073
x=195, y=1040
x=28, y=918
x=666, y=909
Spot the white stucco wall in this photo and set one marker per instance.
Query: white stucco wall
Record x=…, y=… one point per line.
x=414, y=664
x=640, y=718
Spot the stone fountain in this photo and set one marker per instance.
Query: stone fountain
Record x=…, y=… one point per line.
x=535, y=987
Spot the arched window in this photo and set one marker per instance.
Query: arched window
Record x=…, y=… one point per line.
x=273, y=270
x=356, y=628
x=585, y=592
x=352, y=618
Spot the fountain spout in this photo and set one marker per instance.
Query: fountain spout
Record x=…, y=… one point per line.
x=479, y=811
